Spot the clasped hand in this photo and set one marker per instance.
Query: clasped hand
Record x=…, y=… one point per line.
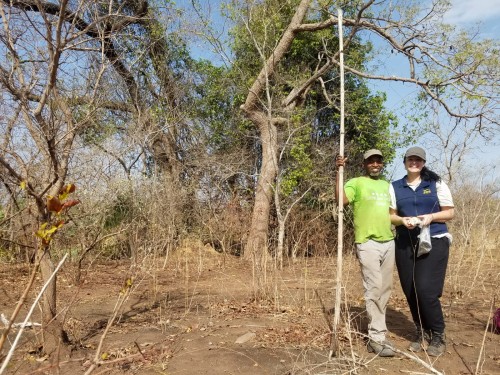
x=421, y=221
x=426, y=219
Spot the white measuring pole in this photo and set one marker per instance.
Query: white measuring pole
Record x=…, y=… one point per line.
x=340, y=198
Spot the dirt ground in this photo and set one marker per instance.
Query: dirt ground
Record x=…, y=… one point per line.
x=193, y=313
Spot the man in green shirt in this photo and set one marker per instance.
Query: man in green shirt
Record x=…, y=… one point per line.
x=369, y=197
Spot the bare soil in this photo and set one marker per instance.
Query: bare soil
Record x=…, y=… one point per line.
x=194, y=313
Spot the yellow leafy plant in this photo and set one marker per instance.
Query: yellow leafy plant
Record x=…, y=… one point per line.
x=127, y=285
x=57, y=204
x=46, y=232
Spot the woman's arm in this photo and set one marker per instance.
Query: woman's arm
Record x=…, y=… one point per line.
x=446, y=214
x=393, y=212
x=445, y=201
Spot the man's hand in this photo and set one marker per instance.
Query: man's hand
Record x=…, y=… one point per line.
x=340, y=161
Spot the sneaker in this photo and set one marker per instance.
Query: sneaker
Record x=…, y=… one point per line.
x=382, y=349
x=437, y=346
x=419, y=340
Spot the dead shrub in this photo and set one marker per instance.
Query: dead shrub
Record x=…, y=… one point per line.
x=474, y=256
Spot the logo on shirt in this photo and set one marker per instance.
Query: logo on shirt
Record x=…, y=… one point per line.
x=426, y=191
x=378, y=198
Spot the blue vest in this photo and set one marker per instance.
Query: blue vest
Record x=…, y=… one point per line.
x=421, y=201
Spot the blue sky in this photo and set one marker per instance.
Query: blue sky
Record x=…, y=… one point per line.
x=468, y=14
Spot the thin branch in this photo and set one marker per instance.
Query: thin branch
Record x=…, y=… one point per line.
x=28, y=316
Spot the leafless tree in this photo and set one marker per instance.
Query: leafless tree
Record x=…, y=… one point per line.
x=65, y=70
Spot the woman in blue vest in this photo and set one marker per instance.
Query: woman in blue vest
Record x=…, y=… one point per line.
x=422, y=199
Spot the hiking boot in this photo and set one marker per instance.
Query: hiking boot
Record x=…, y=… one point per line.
x=382, y=349
x=437, y=346
x=421, y=337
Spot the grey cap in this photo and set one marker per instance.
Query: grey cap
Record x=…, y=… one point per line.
x=416, y=151
x=372, y=152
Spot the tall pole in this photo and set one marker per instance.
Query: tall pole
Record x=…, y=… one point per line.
x=340, y=199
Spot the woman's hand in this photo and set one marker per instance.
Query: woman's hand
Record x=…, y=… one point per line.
x=410, y=222
x=426, y=219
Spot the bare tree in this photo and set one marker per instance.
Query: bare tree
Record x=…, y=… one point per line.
x=457, y=140
x=64, y=71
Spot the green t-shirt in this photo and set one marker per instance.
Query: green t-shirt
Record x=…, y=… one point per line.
x=370, y=200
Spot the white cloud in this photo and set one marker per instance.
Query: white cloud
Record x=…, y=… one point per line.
x=472, y=11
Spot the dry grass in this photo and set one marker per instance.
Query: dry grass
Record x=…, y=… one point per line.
x=186, y=290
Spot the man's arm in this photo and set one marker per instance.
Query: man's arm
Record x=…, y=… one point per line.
x=396, y=219
x=340, y=162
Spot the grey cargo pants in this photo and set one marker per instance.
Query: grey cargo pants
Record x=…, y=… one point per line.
x=377, y=266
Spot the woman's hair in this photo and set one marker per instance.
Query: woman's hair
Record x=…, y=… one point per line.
x=427, y=175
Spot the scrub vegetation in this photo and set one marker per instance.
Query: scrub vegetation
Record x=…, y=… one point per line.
x=175, y=214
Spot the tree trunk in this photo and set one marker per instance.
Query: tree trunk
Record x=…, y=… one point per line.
x=256, y=245
x=54, y=337
x=53, y=333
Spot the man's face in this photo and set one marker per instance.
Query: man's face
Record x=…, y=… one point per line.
x=373, y=165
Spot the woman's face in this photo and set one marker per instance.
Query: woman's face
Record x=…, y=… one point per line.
x=414, y=164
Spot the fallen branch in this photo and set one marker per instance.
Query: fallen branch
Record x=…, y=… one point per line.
x=419, y=361
x=119, y=303
x=490, y=316
x=19, y=305
x=7, y=323
x=14, y=344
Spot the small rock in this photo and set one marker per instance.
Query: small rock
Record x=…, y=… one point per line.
x=245, y=338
